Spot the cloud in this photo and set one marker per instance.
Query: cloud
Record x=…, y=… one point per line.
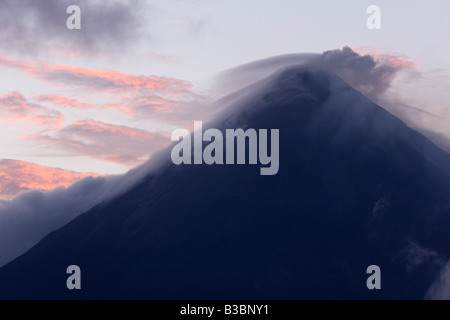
x=418, y=256
x=17, y=176
x=100, y=79
x=391, y=80
x=154, y=57
x=195, y=26
x=398, y=60
x=135, y=95
x=171, y=102
x=173, y=112
x=32, y=215
x=99, y=140
x=111, y=81
x=381, y=207
x=62, y=101
x=15, y=107
x=368, y=74
x=440, y=289
x=39, y=26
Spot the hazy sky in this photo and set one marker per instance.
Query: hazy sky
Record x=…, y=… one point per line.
x=103, y=98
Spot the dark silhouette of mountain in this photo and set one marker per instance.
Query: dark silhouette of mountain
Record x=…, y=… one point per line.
x=356, y=187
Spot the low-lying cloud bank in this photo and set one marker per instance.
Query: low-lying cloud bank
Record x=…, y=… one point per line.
x=32, y=215
x=17, y=176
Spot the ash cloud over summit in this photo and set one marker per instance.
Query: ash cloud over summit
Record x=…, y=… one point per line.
x=387, y=79
x=363, y=72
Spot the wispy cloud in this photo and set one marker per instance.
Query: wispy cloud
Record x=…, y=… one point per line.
x=59, y=100
x=154, y=57
x=99, y=140
x=99, y=79
x=135, y=95
x=16, y=108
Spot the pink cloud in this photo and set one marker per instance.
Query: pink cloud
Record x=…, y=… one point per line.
x=397, y=60
x=134, y=95
x=71, y=52
x=17, y=176
x=108, y=142
x=24, y=66
x=104, y=79
x=64, y=101
x=151, y=106
x=15, y=107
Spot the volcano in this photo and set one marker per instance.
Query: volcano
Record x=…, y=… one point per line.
x=356, y=187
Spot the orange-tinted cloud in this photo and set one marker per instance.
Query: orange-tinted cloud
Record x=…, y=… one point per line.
x=108, y=142
x=17, y=176
x=15, y=107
